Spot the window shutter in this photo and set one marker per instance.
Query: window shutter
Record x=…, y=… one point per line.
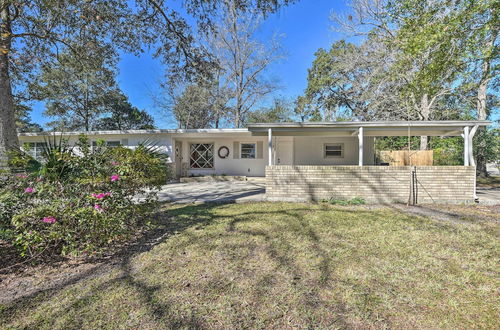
x=124, y=142
x=260, y=150
x=236, y=150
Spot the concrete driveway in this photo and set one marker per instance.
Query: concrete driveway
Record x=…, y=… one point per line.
x=488, y=196
x=252, y=190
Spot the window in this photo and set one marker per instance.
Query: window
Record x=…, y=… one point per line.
x=113, y=143
x=248, y=150
x=35, y=149
x=334, y=150
x=201, y=155
x=108, y=143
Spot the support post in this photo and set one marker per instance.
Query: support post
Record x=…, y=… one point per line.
x=472, y=162
x=270, y=145
x=466, y=146
x=471, y=156
x=360, y=146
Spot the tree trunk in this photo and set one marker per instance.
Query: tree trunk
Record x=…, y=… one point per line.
x=425, y=112
x=237, y=114
x=237, y=119
x=8, y=134
x=217, y=119
x=482, y=113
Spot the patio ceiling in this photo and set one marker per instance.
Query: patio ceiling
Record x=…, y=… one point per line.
x=373, y=128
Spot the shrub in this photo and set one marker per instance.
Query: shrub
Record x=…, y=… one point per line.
x=80, y=199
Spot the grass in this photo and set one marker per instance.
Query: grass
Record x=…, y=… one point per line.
x=281, y=265
x=489, y=182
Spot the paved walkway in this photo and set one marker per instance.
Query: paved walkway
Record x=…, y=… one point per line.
x=252, y=190
x=488, y=196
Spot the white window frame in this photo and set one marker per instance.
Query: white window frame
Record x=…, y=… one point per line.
x=106, y=143
x=209, y=159
x=341, y=145
x=35, y=149
x=255, y=150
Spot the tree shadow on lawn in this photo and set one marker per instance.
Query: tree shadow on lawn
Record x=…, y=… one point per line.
x=167, y=224
x=178, y=220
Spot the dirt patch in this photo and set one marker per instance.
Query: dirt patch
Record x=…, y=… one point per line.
x=454, y=213
x=21, y=278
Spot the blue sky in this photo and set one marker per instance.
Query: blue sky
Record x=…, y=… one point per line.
x=306, y=27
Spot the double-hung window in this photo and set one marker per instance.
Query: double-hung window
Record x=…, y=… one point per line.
x=334, y=150
x=248, y=150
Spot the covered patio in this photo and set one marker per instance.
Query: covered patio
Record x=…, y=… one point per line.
x=314, y=161
x=307, y=135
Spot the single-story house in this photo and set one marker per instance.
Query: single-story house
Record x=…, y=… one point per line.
x=307, y=161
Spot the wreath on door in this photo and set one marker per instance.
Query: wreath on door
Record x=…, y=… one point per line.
x=223, y=152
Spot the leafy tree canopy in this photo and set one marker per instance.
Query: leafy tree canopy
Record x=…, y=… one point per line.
x=280, y=111
x=123, y=116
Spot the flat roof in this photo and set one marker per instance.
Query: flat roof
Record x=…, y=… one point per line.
x=370, y=128
x=142, y=131
x=356, y=124
x=373, y=128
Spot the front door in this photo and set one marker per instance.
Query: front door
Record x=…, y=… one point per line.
x=178, y=158
x=284, y=152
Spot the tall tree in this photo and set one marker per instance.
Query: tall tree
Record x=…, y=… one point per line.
x=242, y=58
x=32, y=32
x=195, y=108
x=77, y=89
x=462, y=39
x=482, y=58
x=354, y=81
x=305, y=111
x=430, y=42
x=280, y=111
x=121, y=115
x=24, y=123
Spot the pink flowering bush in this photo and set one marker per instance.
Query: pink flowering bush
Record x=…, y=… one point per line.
x=81, y=203
x=49, y=220
x=29, y=190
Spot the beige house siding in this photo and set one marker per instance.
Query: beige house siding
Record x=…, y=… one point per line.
x=162, y=141
x=309, y=150
x=376, y=184
x=229, y=165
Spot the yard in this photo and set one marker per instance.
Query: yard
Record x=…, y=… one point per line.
x=277, y=265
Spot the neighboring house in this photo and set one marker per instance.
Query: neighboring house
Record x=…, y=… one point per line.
x=303, y=161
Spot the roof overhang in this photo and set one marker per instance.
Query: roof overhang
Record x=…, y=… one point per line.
x=371, y=128
x=212, y=132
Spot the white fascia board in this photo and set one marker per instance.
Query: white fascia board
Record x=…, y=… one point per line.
x=181, y=132
x=378, y=124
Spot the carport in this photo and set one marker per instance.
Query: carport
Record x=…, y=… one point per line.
x=336, y=160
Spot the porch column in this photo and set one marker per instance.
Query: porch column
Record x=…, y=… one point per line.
x=472, y=132
x=471, y=156
x=466, y=146
x=360, y=146
x=270, y=145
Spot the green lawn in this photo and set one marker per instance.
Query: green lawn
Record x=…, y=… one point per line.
x=287, y=265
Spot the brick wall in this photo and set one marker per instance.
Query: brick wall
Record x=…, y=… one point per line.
x=434, y=184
